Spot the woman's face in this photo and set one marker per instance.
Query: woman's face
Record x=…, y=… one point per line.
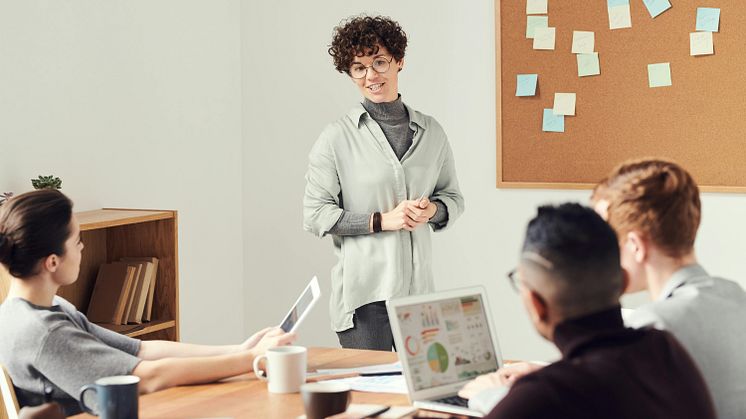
x=378, y=87
x=69, y=264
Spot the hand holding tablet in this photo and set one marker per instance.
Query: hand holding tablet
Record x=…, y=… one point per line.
x=302, y=306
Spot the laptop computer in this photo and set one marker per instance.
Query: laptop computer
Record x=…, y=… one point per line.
x=444, y=340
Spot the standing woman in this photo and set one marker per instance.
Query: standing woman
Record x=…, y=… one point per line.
x=376, y=178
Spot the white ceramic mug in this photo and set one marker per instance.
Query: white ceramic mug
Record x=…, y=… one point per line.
x=286, y=368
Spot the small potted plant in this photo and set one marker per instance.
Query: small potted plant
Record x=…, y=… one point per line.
x=47, y=182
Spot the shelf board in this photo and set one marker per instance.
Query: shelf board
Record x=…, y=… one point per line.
x=108, y=217
x=143, y=329
x=153, y=327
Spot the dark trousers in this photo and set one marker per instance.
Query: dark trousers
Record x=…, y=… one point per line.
x=371, y=329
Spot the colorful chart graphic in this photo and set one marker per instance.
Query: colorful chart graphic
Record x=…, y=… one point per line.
x=412, y=345
x=437, y=357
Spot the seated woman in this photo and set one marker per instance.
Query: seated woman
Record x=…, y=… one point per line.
x=47, y=345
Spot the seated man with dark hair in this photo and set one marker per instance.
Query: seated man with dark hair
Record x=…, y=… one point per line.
x=569, y=278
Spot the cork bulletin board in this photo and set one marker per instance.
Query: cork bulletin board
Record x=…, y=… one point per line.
x=698, y=121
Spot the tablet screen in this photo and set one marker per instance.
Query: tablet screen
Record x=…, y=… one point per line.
x=304, y=302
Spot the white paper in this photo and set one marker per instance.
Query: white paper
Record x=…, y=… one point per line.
x=583, y=42
x=700, y=43
x=544, y=38
x=620, y=17
x=564, y=104
x=536, y=7
x=378, y=384
x=368, y=369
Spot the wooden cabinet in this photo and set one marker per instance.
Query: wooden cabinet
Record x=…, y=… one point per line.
x=111, y=234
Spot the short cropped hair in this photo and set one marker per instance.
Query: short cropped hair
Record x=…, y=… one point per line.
x=583, y=258
x=360, y=36
x=656, y=197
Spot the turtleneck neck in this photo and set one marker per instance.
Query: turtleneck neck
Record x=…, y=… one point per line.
x=387, y=112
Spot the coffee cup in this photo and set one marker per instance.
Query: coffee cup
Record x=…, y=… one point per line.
x=116, y=397
x=285, y=368
x=321, y=400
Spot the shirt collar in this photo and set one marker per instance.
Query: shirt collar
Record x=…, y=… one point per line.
x=573, y=335
x=682, y=276
x=357, y=112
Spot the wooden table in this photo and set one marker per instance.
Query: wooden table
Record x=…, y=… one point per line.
x=247, y=397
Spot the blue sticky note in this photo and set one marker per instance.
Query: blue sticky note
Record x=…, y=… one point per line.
x=708, y=19
x=552, y=122
x=659, y=75
x=526, y=85
x=656, y=7
x=612, y=3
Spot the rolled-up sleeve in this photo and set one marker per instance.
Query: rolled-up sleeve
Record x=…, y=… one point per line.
x=321, y=209
x=447, y=190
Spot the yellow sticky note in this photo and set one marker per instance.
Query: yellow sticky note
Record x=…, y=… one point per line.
x=583, y=42
x=700, y=43
x=544, y=38
x=536, y=7
x=564, y=104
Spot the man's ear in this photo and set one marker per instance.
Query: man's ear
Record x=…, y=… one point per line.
x=401, y=64
x=637, y=245
x=51, y=263
x=539, y=306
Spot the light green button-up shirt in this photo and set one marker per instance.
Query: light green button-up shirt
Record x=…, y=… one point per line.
x=353, y=167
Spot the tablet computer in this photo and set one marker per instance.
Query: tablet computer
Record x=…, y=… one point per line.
x=302, y=306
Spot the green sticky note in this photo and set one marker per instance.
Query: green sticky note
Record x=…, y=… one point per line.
x=533, y=22
x=659, y=75
x=588, y=65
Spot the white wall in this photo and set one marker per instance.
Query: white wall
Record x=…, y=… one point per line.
x=136, y=104
x=291, y=91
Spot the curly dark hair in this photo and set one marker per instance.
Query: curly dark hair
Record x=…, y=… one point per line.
x=359, y=36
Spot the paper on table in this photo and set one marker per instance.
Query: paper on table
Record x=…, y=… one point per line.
x=357, y=411
x=533, y=22
x=620, y=17
x=700, y=43
x=536, y=7
x=564, y=104
x=368, y=369
x=377, y=384
x=656, y=7
x=544, y=38
x=659, y=75
x=708, y=19
x=588, y=65
x=583, y=42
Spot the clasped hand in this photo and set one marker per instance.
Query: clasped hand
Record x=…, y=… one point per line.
x=408, y=215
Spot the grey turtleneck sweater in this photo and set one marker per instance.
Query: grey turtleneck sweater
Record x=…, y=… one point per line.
x=393, y=119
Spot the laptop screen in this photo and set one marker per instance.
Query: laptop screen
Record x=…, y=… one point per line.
x=446, y=341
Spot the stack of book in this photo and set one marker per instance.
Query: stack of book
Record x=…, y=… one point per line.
x=123, y=293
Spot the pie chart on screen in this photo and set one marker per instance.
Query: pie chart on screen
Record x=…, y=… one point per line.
x=437, y=357
x=412, y=345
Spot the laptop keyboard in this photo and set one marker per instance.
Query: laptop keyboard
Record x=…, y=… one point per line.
x=454, y=400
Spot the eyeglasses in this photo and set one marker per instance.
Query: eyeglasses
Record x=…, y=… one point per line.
x=380, y=65
x=513, y=279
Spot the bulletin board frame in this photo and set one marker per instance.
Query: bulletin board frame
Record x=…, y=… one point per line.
x=716, y=169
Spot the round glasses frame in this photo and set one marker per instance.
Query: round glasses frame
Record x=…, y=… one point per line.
x=380, y=65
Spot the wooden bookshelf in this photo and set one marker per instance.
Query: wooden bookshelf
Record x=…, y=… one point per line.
x=110, y=234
